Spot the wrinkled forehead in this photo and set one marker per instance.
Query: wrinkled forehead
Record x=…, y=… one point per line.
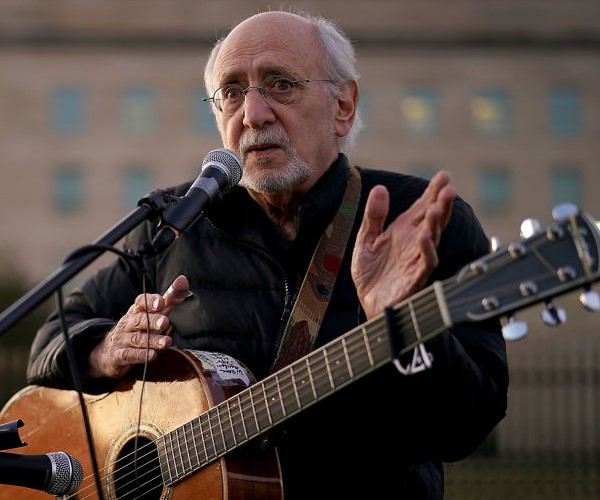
x=268, y=44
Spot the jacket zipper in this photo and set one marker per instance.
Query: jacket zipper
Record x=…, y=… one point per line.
x=288, y=296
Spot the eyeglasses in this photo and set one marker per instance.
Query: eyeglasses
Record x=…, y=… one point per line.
x=230, y=98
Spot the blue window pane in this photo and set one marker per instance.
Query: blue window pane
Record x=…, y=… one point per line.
x=494, y=190
x=564, y=112
x=203, y=118
x=137, y=183
x=68, y=114
x=490, y=113
x=68, y=189
x=419, y=110
x=567, y=186
x=138, y=110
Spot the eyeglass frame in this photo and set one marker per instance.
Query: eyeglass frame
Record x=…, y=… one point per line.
x=261, y=89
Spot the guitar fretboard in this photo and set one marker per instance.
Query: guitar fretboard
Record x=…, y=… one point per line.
x=287, y=392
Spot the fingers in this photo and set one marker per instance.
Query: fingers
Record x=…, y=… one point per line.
x=139, y=334
x=438, y=191
x=376, y=211
x=176, y=293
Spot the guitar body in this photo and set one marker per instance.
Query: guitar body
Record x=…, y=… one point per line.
x=203, y=416
x=179, y=386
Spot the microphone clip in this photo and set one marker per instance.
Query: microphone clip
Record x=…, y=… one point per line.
x=9, y=435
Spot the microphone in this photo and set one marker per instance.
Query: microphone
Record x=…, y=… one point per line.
x=221, y=170
x=56, y=473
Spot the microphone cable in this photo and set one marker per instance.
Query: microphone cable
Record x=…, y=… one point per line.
x=75, y=377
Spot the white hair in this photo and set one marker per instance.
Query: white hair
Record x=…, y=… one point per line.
x=339, y=65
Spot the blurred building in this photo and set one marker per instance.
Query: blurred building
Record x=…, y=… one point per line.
x=100, y=103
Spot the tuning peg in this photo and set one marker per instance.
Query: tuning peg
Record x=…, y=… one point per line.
x=590, y=300
x=529, y=227
x=514, y=330
x=494, y=243
x=563, y=211
x=553, y=316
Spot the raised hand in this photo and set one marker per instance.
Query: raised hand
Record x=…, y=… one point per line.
x=139, y=334
x=392, y=264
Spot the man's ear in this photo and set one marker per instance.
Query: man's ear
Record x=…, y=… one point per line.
x=346, y=109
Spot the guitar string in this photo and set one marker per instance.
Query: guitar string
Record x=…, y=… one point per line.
x=276, y=382
x=335, y=356
x=280, y=383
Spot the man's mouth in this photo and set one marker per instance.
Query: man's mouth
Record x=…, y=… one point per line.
x=261, y=147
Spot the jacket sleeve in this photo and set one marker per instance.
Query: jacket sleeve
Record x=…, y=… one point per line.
x=90, y=311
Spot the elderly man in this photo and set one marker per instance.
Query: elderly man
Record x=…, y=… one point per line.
x=284, y=91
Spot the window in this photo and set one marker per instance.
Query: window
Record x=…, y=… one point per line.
x=490, y=113
x=136, y=184
x=566, y=186
x=68, y=189
x=68, y=114
x=419, y=110
x=203, y=118
x=138, y=110
x=564, y=112
x=494, y=190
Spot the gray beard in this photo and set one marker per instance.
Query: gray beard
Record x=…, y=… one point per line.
x=273, y=181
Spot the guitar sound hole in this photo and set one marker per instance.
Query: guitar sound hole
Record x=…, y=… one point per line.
x=138, y=475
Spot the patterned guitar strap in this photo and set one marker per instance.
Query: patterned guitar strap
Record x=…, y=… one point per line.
x=303, y=326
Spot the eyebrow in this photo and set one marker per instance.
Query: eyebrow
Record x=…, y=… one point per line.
x=237, y=76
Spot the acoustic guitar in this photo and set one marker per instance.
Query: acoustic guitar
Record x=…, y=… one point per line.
x=209, y=440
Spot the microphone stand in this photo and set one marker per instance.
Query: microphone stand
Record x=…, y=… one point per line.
x=148, y=207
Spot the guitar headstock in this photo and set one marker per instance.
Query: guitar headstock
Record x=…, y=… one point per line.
x=546, y=263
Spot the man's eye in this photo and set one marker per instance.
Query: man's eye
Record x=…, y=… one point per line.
x=281, y=85
x=232, y=93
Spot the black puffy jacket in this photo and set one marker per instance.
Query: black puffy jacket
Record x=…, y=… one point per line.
x=386, y=435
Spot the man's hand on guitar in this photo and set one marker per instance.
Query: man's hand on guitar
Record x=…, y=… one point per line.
x=392, y=264
x=139, y=334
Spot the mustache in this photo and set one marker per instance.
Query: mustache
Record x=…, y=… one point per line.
x=271, y=136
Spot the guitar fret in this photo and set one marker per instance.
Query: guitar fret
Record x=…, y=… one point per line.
x=358, y=354
x=329, y=375
x=227, y=427
x=340, y=372
x=287, y=391
x=200, y=434
x=317, y=363
x=305, y=393
x=165, y=465
x=178, y=454
x=172, y=457
x=262, y=408
x=367, y=345
x=215, y=419
x=253, y=423
x=310, y=377
x=187, y=451
x=347, y=357
x=281, y=397
x=211, y=449
x=193, y=464
x=236, y=419
x=274, y=406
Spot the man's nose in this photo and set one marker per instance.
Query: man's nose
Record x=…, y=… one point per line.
x=257, y=110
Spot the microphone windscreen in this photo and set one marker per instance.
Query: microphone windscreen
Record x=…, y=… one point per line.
x=231, y=162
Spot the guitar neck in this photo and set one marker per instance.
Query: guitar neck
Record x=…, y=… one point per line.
x=299, y=385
